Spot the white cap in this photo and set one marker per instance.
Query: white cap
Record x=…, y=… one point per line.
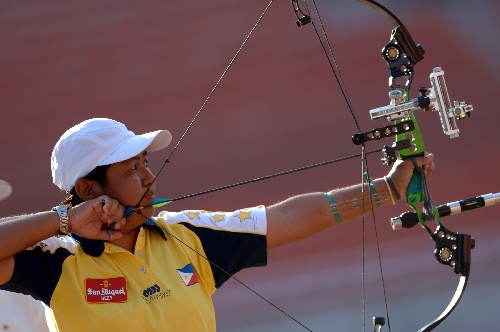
x=98, y=142
x=5, y=189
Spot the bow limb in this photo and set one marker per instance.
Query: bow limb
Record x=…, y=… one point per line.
x=452, y=249
x=401, y=42
x=451, y=306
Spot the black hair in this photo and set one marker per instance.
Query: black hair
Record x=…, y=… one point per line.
x=98, y=174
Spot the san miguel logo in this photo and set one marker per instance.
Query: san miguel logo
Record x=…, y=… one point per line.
x=106, y=290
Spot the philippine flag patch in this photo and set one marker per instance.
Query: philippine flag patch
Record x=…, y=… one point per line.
x=188, y=275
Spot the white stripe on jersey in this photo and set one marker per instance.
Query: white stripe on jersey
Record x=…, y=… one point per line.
x=251, y=220
x=56, y=242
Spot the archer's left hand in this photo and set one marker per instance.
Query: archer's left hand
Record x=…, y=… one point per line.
x=402, y=171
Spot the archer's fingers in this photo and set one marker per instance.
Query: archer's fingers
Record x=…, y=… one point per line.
x=427, y=164
x=120, y=224
x=424, y=161
x=112, y=210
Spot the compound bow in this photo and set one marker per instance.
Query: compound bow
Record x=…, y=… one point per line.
x=402, y=54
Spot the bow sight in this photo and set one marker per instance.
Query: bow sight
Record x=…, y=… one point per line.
x=400, y=111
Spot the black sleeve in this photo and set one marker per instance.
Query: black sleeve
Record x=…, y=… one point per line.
x=230, y=252
x=37, y=272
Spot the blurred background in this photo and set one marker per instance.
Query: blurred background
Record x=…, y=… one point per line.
x=152, y=64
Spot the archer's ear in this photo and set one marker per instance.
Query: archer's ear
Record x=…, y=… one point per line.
x=88, y=189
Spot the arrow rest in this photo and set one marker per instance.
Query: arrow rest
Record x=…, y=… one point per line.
x=389, y=152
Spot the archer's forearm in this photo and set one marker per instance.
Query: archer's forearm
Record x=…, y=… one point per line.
x=20, y=232
x=350, y=203
x=301, y=216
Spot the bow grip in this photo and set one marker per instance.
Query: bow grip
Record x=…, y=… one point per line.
x=415, y=190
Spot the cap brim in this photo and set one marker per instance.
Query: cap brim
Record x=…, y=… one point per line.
x=5, y=189
x=150, y=142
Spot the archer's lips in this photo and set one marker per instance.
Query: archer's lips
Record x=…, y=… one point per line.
x=150, y=195
x=148, y=198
